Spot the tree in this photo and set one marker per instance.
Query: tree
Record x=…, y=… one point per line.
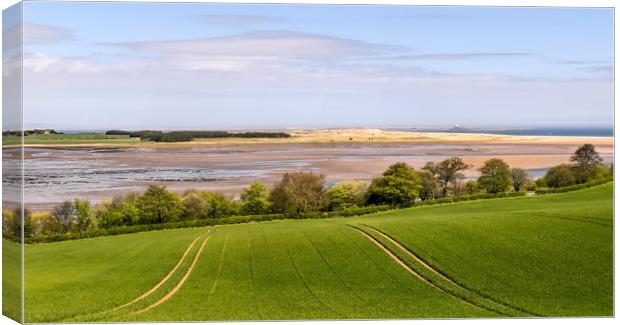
x=399, y=186
x=12, y=223
x=541, y=182
x=83, y=214
x=432, y=168
x=346, y=195
x=299, y=193
x=471, y=187
x=495, y=176
x=64, y=216
x=560, y=176
x=158, y=205
x=586, y=159
x=519, y=178
x=255, y=199
x=449, y=171
x=219, y=205
x=108, y=214
x=194, y=206
x=429, y=187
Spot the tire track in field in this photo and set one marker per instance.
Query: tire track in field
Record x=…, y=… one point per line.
x=179, y=284
x=165, y=278
x=444, y=276
x=422, y=278
x=364, y=251
x=219, y=269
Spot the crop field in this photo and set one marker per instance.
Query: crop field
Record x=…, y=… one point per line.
x=527, y=257
x=62, y=139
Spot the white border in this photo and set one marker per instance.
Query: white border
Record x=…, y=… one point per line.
x=500, y=3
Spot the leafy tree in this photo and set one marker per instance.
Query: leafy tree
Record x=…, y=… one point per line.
x=449, y=171
x=560, y=176
x=429, y=187
x=194, y=206
x=541, y=182
x=158, y=205
x=255, y=199
x=495, y=176
x=130, y=214
x=399, y=186
x=299, y=193
x=83, y=214
x=472, y=187
x=219, y=205
x=64, y=216
x=12, y=223
x=108, y=215
x=346, y=195
x=519, y=178
x=586, y=159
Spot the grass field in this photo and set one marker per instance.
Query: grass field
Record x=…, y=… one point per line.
x=531, y=256
x=63, y=139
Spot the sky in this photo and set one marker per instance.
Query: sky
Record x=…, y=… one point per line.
x=98, y=66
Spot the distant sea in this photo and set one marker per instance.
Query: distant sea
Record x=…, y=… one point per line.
x=584, y=132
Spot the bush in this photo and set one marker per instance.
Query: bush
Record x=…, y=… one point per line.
x=472, y=197
x=560, y=176
x=346, y=195
x=573, y=187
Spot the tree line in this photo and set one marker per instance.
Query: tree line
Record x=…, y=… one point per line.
x=298, y=193
x=31, y=132
x=178, y=136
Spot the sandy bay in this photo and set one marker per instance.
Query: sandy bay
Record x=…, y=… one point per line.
x=57, y=172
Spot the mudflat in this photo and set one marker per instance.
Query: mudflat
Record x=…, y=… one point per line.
x=97, y=171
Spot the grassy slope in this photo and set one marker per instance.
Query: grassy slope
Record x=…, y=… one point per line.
x=516, y=250
x=552, y=255
x=71, y=278
x=11, y=280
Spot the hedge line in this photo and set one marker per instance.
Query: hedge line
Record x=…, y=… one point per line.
x=472, y=197
x=573, y=187
x=200, y=223
x=269, y=217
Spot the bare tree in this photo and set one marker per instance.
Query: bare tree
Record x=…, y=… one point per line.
x=519, y=178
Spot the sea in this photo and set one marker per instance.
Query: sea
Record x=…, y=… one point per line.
x=553, y=131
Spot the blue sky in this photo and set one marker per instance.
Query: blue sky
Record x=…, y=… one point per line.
x=214, y=66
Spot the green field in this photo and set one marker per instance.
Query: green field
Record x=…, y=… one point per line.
x=530, y=256
x=59, y=139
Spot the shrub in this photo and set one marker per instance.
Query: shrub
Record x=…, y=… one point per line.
x=560, y=176
x=346, y=195
x=573, y=187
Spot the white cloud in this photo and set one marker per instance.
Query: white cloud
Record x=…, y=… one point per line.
x=39, y=62
x=275, y=44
